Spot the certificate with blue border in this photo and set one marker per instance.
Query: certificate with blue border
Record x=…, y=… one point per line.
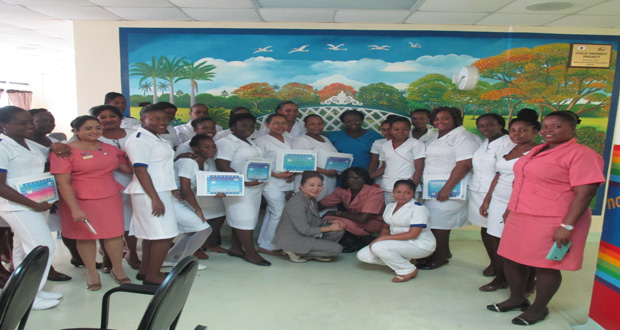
x=257, y=169
x=212, y=183
x=295, y=160
x=434, y=184
x=335, y=161
x=39, y=188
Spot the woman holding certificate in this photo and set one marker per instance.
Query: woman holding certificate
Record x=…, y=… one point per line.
x=355, y=139
x=281, y=183
x=241, y=211
x=91, y=205
x=548, y=210
x=20, y=159
x=313, y=140
x=447, y=163
x=302, y=234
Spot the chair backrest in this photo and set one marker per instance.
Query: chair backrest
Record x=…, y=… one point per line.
x=165, y=308
x=21, y=289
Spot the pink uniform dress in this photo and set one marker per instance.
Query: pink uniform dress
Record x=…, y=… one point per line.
x=96, y=191
x=368, y=200
x=542, y=192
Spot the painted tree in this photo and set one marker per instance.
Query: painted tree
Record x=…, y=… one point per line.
x=148, y=71
x=334, y=89
x=275, y=87
x=254, y=92
x=195, y=72
x=297, y=92
x=384, y=96
x=430, y=89
x=541, y=76
x=172, y=71
x=163, y=87
x=145, y=87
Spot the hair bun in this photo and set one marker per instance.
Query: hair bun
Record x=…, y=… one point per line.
x=527, y=114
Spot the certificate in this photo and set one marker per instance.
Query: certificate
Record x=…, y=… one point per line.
x=295, y=160
x=335, y=161
x=257, y=169
x=433, y=184
x=212, y=183
x=39, y=187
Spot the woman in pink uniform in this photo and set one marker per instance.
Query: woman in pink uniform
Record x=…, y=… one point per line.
x=553, y=186
x=90, y=195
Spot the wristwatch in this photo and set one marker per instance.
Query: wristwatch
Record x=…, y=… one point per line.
x=567, y=227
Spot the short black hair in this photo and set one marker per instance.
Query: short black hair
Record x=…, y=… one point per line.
x=111, y=96
x=150, y=108
x=197, y=138
x=37, y=111
x=238, y=108
x=453, y=112
x=241, y=116
x=166, y=105
x=357, y=170
x=78, y=122
x=499, y=119
x=312, y=116
x=197, y=121
x=98, y=109
x=408, y=182
x=283, y=103
x=8, y=112
x=351, y=112
x=399, y=119
x=307, y=175
x=569, y=116
x=273, y=115
x=528, y=116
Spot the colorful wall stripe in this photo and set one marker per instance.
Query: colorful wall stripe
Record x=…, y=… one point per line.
x=606, y=294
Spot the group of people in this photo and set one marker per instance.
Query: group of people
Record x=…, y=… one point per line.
x=121, y=180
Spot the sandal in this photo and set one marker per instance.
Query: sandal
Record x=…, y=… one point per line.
x=94, y=286
x=520, y=320
x=135, y=264
x=503, y=309
x=293, y=257
x=405, y=278
x=121, y=281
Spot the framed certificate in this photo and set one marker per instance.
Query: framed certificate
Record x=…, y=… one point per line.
x=257, y=169
x=295, y=160
x=39, y=188
x=335, y=161
x=211, y=183
x=433, y=184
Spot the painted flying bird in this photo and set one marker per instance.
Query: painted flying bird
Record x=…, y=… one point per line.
x=265, y=49
x=300, y=49
x=332, y=47
x=376, y=47
x=414, y=45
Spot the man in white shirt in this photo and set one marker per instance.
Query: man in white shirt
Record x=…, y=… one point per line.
x=186, y=131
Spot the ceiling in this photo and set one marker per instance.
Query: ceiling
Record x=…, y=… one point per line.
x=39, y=32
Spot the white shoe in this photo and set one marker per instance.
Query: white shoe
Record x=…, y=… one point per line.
x=169, y=264
x=322, y=259
x=40, y=303
x=293, y=257
x=202, y=267
x=49, y=295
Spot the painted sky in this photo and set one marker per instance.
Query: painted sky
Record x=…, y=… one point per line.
x=356, y=58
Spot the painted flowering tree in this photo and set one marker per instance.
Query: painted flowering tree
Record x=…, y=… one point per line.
x=298, y=93
x=335, y=89
x=254, y=92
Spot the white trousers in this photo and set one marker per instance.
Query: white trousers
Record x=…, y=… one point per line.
x=395, y=254
x=31, y=230
x=275, y=205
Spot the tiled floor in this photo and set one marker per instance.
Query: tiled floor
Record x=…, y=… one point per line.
x=345, y=294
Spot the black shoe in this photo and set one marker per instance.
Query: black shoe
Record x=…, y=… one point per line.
x=520, y=320
x=147, y=282
x=258, y=263
x=356, y=246
x=433, y=264
x=140, y=277
x=79, y=263
x=58, y=277
x=503, y=309
x=233, y=254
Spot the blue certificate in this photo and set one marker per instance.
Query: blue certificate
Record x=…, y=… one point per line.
x=212, y=183
x=296, y=160
x=433, y=185
x=338, y=163
x=257, y=169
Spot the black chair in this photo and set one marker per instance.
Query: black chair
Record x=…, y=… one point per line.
x=19, y=292
x=165, y=308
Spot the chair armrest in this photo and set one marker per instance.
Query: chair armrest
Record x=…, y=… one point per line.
x=129, y=288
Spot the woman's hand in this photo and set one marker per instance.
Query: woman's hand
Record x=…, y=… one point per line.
x=177, y=193
x=158, y=207
x=336, y=225
x=444, y=194
x=505, y=215
x=61, y=150
x=252, y=183
x=200, y=215
x=561, y=236
x=42, y=207
x=220, y=194
x=484, y=208
x=78, y=215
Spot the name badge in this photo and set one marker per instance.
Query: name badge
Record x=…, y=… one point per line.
x=87, y=157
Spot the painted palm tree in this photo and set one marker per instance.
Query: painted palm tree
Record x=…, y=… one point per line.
x=145, y=87
x=275, y=87
x=194, y=72
x=148, y=71
x=171, y=70
x=163, y=87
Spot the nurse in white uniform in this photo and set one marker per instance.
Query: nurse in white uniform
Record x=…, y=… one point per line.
x=20, y=157
x=403, y=157
x=449, y=158
x=522, y=131
x=290, y=110
x=226, y=132
x=241, y=211
x=280, y=184
x=151, y=189
x=313, y=140
x=405, y=235
x=492, y=127
x=375, y=150
x=187, y=131
x=421, y=130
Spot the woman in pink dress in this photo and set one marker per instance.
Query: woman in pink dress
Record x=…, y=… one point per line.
x=553, y=186
x=91, y=196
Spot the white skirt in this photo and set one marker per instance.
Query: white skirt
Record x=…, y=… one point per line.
x=499, y=203
x=212, y=207
x=127, y=210
x=475, y=201
x=242, y=212
x=145, y=225
x=54, y=221
x=187, y=220
x=450, y=214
